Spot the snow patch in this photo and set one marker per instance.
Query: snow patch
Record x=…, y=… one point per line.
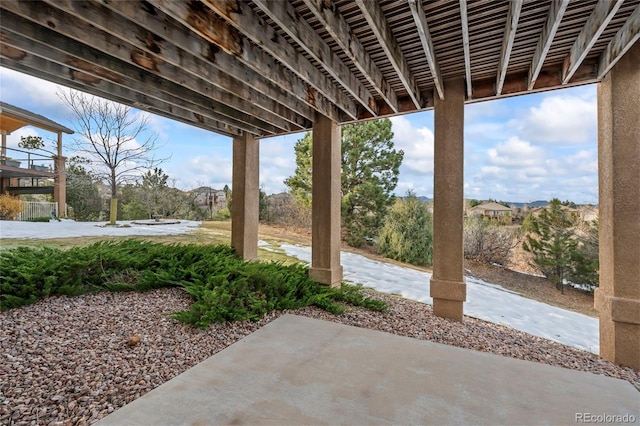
x=486, y=301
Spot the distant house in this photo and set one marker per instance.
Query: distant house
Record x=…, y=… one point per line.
x=492, y=211
x=210, y=199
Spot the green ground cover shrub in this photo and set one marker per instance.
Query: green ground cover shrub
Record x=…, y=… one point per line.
x=223, y=286
x=39, y=219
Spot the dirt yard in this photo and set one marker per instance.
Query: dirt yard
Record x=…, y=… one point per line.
x=530, y=286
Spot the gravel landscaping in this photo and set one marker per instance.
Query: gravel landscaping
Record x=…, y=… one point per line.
x=75, y=360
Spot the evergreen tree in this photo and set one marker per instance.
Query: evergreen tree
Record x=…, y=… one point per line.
x=83, y=195
x=300, y=183
x=407, y=234
x=552, y=242
x=586, y=257
x=155, y=192
x=263, y=206
x=152, y=195
x=370, y=168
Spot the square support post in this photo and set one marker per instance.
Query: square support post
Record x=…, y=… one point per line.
x=4, y=182
x=60, y=185
x=618, y=297
x=245, y=196
x=326, y=202
x=447, y=287
x=3, y=147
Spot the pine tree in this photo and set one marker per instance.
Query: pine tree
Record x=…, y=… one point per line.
x=370, y=168
x=83, y=195
x=552, y=242
x=407, y=234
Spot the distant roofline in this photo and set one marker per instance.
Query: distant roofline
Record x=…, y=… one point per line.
x=491, y=206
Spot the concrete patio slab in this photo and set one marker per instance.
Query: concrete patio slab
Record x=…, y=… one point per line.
x=298, y=370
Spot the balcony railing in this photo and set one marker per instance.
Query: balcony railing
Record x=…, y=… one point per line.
x=28, y=160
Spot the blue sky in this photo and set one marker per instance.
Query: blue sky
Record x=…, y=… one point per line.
x=524, y=148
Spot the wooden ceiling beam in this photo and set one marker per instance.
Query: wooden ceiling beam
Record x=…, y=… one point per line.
x=598, y=20
x=464, y=21
x=283, y=14
x=515, y=6
x=338, y=28
x=45, y=43
x=195, y=56
x=74, y=79
x=556, y=12
x=548, y=78
x=620, y=43
x=380, y=28
x=172, y=62
x=235, y=28
x=107, y=81
x=417, y=11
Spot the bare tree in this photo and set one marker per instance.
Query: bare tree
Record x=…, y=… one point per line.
x=488, y=241
x=116, y=138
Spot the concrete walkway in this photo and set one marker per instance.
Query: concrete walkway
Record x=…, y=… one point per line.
x=298, y=370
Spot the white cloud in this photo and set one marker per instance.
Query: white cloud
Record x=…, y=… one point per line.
x=475, y=132
x=202, y=170
x=515, y=153
x=517, y=170
x=19, y=89
x=560, y=119
x=277, y=162
x=416, y=171
x=417, y=144
x=161, y=126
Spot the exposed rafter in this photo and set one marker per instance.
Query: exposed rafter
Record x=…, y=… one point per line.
x=147, y=47
x=38, y=40
x=515, y=6
x=598, y=21
x=427, y=45
x=68, y=77
x=283, y=14
x=556, y=11
x=516, y=83
x=621, y=42
x=220, y=37
x=465, y=45
x=218, y=68
x=339, y=29
x=380, y=28
x=241, y=17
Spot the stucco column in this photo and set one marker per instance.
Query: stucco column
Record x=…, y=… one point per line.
x=245, y=196
x=326, y=200
x=618, y=297
x=60, y=185
x=448, y=287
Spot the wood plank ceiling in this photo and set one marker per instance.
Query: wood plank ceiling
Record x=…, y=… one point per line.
x=266, y=67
